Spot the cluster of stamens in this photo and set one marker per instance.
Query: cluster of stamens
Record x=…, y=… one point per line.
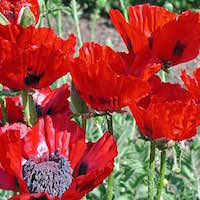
x=52, y=175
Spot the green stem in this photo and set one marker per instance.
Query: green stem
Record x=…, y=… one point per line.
x=109, y=123
x=25, y=101
x=48, y=15
x=162, y=174
x=124, y=10
x=59, y=24
x=151, y=171
x=76, y=19
x=84, y=123
x=32, y=109
x=93, y=23
x=111, y=177
x=3, y=109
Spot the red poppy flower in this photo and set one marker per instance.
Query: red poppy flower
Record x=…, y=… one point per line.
x=172, y=38
x=104, y=78
x=11, y=8
x=46, y=159
x=192, y=83
x=167, y=113
x=14, y=110
x=55, y=102
x=33, y=58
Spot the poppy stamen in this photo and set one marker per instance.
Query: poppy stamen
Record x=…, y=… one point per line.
x=54, y=175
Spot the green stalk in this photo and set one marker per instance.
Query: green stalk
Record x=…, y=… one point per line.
x=93, y=23
x=59, y=24
x=111, y=177
x=151, y=171
x=25, y=101
x=84, y=123
x=76, y=19
x=124, y=10
x=3, y=109
x=32, y=109
x=48, y=15
x=162, y=174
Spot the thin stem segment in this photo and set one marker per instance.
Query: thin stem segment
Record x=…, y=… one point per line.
x=111, y=177
x=151, y=171
x=3, y=109
x=76, y=19
x=124, y=10
x=162, y=174
x=25, y=101
x=84, y=123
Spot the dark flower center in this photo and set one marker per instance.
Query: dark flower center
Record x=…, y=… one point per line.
x=53, y=175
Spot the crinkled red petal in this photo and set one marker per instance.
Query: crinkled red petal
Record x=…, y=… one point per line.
x=95, y=69
x=179, y=40
x=96, y=164
x=55, y=133
x=33, y=58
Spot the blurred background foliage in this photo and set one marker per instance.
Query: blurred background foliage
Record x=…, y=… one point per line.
x=104, y=5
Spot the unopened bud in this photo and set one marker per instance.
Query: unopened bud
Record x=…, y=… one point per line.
x=26, y=18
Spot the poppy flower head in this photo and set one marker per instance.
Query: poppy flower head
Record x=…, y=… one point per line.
x=33, y=58
x=11, y=9
x=172, y=38
x=179, y=40
x=46, y=163
x=99, y=67
x=168, y=113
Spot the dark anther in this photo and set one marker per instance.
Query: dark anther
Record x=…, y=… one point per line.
x=49, y=111
x=52, y=175
x=32, y=79
x=179, y=48
x=38, y=110
x=82, y=169
x=150, y=39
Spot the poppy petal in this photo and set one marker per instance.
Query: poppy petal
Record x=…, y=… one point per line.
x=177, y=42
x=35, y=57
x=148, y=18
x=95, y=69
x=55, y=133
x=96, y=164
x=11, y=156
x=134, y=39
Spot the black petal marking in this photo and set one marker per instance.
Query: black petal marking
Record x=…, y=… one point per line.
x=178, y=48
x=82, y=169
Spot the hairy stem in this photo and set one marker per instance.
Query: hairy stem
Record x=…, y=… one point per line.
x=151, y=171
x=3, y=109
x=124, y=10
x=25, y=101
x=59, y=24
x=76, y=19
x=111, y=177
x=162, y=174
